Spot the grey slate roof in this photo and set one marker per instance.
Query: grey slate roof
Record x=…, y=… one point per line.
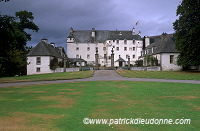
x=163, y=44
x=45, y=49
x=101, y=36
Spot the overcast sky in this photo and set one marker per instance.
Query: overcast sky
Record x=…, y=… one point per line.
x=55, y=17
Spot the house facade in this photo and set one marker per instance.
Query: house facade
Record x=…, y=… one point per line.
x=163, y=49
x=86, y=43
x=41, y=56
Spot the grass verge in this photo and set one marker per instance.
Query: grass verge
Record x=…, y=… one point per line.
x=176, y=75
x=47, y=77
x=64, y=106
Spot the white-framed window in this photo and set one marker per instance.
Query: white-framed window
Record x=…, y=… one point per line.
x=130, y=49
x=38, y=60
x=77, y=48
x=88, y=48
x=127, y=56
x=133, y=56
x=133, y=48
x=105, y=56
x=133, y=41
x=38, y=69
x=88, y=56
x=117, y=48
x=104, y=48
x=171, y=57
x=125, y=48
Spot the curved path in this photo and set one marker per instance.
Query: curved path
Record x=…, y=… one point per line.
x=101, y=75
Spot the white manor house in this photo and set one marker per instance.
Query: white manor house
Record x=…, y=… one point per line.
x=125, y=44
x=126, y=47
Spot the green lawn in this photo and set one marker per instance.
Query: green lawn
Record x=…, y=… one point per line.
x=176, y=75
x=50, y=76
x=64, y=106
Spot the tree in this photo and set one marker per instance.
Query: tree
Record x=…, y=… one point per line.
x=13, y=41
x=54, y=63
x=4, y=0
x=139, y=63
x=187, y=30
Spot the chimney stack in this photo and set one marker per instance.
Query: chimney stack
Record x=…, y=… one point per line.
x=44, y=40
x=93, y=32
x=133, y=31
x=53, y=44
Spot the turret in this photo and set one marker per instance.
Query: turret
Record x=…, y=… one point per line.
x=70, y=38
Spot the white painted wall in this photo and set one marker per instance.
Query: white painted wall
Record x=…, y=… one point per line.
x=165, y=62
x=44, y=66
x=72, y=51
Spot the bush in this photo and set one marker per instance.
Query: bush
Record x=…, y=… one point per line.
x=139, y=63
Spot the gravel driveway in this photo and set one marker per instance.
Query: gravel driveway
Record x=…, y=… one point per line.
x=100, y=75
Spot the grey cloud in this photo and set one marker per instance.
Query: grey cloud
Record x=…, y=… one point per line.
x=54, y=18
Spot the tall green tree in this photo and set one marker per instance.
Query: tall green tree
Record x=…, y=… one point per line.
x=13, y=41
x=187, y=30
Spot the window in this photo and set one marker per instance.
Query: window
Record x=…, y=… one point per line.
x=88, y=56
x=113, y=40
x=130, y=49
x=125, y=41
x=127, y=56
x=96, y=48
x=77, y=56
x=133, y=41
x=88, y=49
x=104, y=48
x=105, y=57
x=171, y=59
x=77, y=48
x=117, y=48
x=117, y=41
x=133, y=56
x=133, y=48
x=125, y=48
x=38, y=69
x=38, y=60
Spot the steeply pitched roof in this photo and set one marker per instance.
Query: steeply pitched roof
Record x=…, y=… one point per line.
x=101, y=36
x=44, y=49
x=120, y=60
x=162, y=44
